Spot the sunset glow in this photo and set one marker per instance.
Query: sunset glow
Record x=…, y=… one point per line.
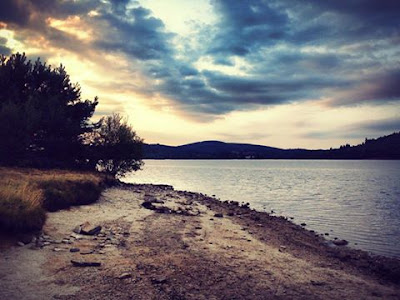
x=278, y=73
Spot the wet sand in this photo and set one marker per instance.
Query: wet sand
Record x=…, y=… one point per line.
x=182, y=245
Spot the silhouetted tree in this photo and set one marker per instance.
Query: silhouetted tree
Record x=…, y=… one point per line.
x=42, y=115
x=115, y=147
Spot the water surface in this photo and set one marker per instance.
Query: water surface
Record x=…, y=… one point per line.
x=355, y=200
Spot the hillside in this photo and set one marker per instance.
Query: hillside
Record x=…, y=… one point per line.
x=386, y=147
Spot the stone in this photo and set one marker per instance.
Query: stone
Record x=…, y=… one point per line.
x=218, y=215
x=75, y=236
x=88, y=229
x=58, y=249
x=340, y=242
x=77, y=229
x=77, y=263
x=317, y=283
x=125, y=275
x=74, y=250
x=26, y=238
x=21, y=244
x=303, y=224
x=159, y=280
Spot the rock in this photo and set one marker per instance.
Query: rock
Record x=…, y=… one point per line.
x=148, y=205
x=75, y=236
x=198, y=227
x=66, y=241
x=77, y=229
x=76, y=263
x=26, y=238
x=125, y=275
x=340, y=242
x=317, y=283
x=218, y=215
x=88, y=229
x=58, y=249
x=158, y=280
x=74, y=250
x=21, y=244
x=303, y=224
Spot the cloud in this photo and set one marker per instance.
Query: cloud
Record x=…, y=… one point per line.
x=379, y=126
x=134, y=32
x=4, y=50
x=258, y=53
x=358, y=130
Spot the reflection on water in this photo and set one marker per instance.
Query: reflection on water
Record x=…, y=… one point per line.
x=354, y=200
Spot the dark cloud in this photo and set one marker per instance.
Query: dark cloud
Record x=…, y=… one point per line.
x=4, y=50
x=384, y=126
x=14, y=11
x=134, y=32
x=246, y=25
x=278, y=51
x=359, y=130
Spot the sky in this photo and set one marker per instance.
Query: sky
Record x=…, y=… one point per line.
x=284, y=73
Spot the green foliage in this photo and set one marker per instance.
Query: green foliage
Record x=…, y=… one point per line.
x=115, y=146
x=42, y=115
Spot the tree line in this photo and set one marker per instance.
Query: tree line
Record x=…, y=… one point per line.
x=45, y=123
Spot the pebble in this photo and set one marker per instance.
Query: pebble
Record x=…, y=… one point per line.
x=340, y=242
x=74, y=250
x=85, y=263
x=125, y=275
x=21, y=244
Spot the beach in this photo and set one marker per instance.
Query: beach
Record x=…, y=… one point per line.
x=159, y=243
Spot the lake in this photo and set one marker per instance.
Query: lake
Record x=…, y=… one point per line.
x=356, y=200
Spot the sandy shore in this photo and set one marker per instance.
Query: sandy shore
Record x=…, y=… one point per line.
x=182, y=245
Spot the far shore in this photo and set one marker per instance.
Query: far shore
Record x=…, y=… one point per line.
x=159, y=243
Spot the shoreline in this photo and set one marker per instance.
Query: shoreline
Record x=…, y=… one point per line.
x=168, y=244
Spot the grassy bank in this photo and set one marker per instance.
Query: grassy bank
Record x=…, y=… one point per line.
x=26, y=195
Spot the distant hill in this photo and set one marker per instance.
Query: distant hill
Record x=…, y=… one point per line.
x=387, y=147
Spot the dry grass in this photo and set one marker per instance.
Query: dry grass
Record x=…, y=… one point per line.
x=26, y=194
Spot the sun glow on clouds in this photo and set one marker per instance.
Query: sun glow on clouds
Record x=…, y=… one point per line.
x=73, y=25
x=271, y=73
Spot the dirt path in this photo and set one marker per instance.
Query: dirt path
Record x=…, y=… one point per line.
x=176, y=247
